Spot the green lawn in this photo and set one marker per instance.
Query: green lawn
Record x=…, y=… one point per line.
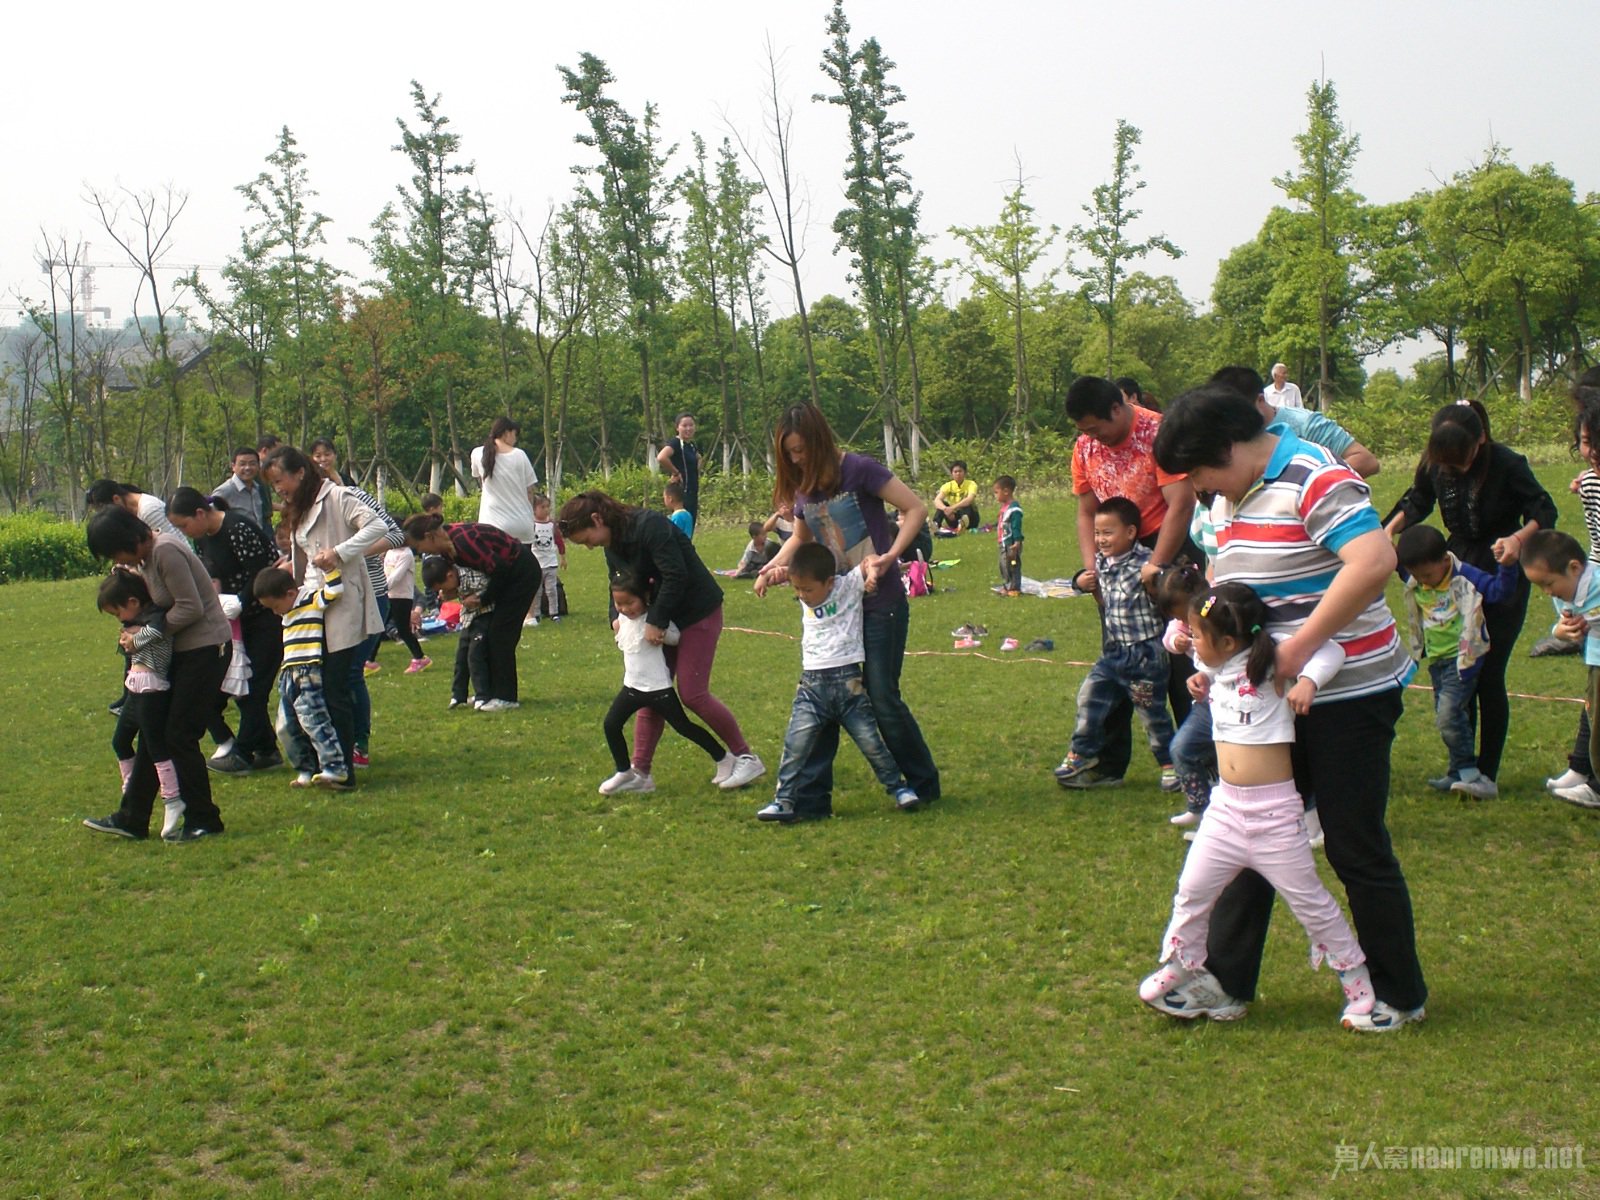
x=477, y=977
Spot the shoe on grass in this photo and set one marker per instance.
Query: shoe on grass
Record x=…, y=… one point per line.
x=1548, y=646
x=302, y=780
x=371, y=668
x=1166, y=977
x=334, y=780
x=1198, y=996
x=1582, y=795
x=358, y=758
x=1169, y=779
x=746, y=768
x=230, y=764
x=617, y=780
x=781, y=811
x=1442, y=783
x=1481, y=788
x=193, y=833
x=1567, y=779
x=172, y=819
x=1382, y=1018
x=266, y=762
x=494, y=706
x=631, y=780
x=1187, y=818
x=114, y=826
x=724, y=767
x=419, y=664
x=907, y=800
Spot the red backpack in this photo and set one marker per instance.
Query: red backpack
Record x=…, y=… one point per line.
x=918, y=578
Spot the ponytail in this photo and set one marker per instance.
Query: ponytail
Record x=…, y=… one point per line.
x=419, y=526
x=1234, y=612
x=501, y=427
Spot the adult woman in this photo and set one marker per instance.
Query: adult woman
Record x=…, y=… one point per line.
x=233, y=548
x=1490, y=502
x=508, y=482
x=200, y=635
x=322, y=453
x=513, y=582
x=331, y=528
x=1297, y=525
x=125, y=496
x=647, y=546
x=365, y=659
x=839, y=499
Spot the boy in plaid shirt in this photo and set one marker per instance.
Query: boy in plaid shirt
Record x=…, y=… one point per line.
x=1132, y=662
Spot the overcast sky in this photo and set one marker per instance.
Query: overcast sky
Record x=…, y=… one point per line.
x=194, y=95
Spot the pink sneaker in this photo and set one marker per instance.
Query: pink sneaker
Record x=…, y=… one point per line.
x=1009, y=644
x=967, y=643
x=419, y=664
x=372, y=668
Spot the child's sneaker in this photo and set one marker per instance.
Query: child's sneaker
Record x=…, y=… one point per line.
x=1010, y=644
x=1198, y=996
x=303, y=779
x=172, y=821
x=1567, y=779
x=907, y=800
x=419, y=664
x=530, y=623
x=967, y=643
x=1072, y=767
x=1357, y=985
x=781, y=811
x=1167, y=976
x=336, y=780
x=454, y=703
x=1382, y=1018
x=1169, y=779
x=371, y=668
x=1186, y=818
x=963, y=631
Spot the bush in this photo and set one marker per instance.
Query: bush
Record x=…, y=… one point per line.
x=34, y=545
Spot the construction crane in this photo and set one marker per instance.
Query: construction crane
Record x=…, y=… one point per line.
x=85, y=277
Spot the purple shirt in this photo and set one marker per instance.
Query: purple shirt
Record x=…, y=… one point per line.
x=853, y=522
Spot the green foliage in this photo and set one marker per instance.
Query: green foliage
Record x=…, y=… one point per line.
x=34, y=545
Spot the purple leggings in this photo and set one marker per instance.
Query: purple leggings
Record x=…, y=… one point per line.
x=690, y=661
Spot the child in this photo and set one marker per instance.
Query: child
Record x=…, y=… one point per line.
x=432, y=504
x=1132, y=662
x=1008, y=532
x=1194, y=758
x=956, y=501
x=831, y=694
x=1445, y=631
x=1575, y=785
x=1555, y=564
x=466, y=587
x=672, y=497
x=550, y=549
x=400, y=569
x=646, y=683
x=1255, y=818
x=148, y=698
x=758, y=553
x=304, y=723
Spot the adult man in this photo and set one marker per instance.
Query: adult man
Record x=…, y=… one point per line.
x=680, y=458
x=1305, y=424
x=956, y=500
x=1282, y=393
x=245, y=490
x=1113, y=457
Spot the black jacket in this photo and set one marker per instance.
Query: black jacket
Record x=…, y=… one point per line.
x=1476, y=516
x=681, y=589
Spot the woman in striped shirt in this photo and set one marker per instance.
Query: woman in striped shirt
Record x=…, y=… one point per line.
x=1297, y=525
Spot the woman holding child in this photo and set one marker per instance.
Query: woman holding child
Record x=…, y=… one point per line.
x=646, y=546
x=839, y=500
x=1320, y=562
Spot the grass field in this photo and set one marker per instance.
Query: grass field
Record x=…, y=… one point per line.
x=477, y=977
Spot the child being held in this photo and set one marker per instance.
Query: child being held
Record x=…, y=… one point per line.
x=757, y=553
x=1446, y=632
x=1008, y=532
x=672, y=497
x=148, y=699
x=832, y=693
x=1194, y=758
x=1255, y=819
x=466, y=587
x=646, y=683
x=304, y=723
x=1132, y=663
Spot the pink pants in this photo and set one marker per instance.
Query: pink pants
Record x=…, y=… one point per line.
x=690, y=661
x=1262, y=829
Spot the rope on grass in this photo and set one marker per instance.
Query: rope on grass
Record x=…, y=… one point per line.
x=1073, y=662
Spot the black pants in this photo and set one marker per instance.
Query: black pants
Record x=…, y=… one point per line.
x=513, y=591
x=952, y=520
x=1578, y=760
x=263, y=646
x=472, y=662
x=400, y=616
x=196, y=682
x=144, y=716
x=341, y=699
x=630, y=701
x=1341, y=755
x=1491, y=706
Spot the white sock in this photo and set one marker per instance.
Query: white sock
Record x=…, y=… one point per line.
x=225, y=749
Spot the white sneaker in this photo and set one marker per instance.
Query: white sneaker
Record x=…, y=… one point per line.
x=1198, y=996
x=499, y=705
x=1567, y=779
x=1185, y=818
x=303, y=779
x=1314, y=837
x=724, y=767
x=530, y=622
x=1383, y=1018
x=1481, y=788
x=617, y=781
x=636, y=781
x=746, y=767
x=1582, y=795
x=173, y=820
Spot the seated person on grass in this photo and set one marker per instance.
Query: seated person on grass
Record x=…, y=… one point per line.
x=956, y=501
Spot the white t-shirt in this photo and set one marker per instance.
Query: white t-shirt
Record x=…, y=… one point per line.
x=830, y=633
x=504, y=502
x=1247, y=714
x=1287, y=396
x=644, y=667
x=153, y=512
x=400, y=569
x=544, y=543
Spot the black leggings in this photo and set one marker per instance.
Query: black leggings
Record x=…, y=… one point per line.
x=1491, y=705
x=630, y=701
x=144, y=714
x=400, y=615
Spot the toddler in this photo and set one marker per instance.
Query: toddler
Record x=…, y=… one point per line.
x=1132, y=662
x=304, y=723
x=147, y=699
x=466, y=587
x=1576, y=785
x=646, y=683
x=1556, y=565
x=831, y=694
x=550, y=549
x=1255, y=820
x=1008, y=532
x=1446, y=632
x=400, y=569
x=672, y=497
x=1194, y=758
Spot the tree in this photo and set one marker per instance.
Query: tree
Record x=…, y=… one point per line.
x=1106, y=239
x=561, y=298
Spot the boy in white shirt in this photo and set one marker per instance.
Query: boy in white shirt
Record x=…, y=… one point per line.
x=550, y=550
x=832, y=693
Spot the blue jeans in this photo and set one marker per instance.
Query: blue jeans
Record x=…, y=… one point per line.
x=1137, y=674
x=1194, y=756
x=1452, y=714
x=884, y=632
x=360, y=697
x=828, y=700
x=304, y=723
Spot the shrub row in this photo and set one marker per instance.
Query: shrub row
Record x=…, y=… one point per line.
x=35, y=545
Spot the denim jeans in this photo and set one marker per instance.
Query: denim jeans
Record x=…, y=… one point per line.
x=304, y=723
x=828, y=700
x=1194, y=757
x=1011, y=571
x=884, y=632
x=360, y=697
x=1137, y=674
x=1452, y=714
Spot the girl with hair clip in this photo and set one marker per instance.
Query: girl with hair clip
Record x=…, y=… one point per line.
x=1255, y=819
x=1193, y=756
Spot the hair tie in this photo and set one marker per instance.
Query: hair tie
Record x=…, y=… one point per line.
x=1465, y=401
x=1255, y=629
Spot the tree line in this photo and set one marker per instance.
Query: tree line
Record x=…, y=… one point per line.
x=649, y=290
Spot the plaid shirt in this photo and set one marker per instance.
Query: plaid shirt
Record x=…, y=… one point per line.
x=483, y=547
x=1128, y=613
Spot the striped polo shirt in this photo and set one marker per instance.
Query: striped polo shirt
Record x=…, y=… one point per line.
x=1283, y=540
x=303, y=624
